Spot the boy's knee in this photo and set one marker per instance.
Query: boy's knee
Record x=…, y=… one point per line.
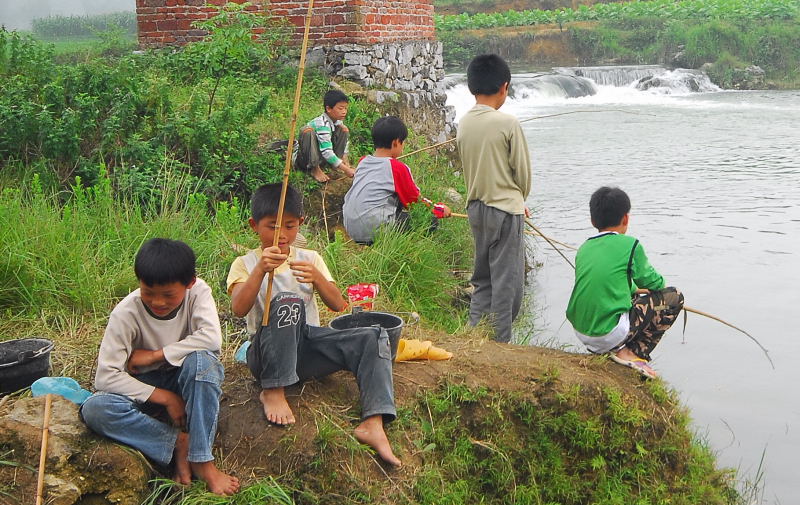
x=673, y=298
x=203, y=366
x=101, y=408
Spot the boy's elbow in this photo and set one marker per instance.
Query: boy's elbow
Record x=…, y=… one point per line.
x=239, y=309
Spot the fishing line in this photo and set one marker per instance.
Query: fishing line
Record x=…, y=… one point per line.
x=440, y=144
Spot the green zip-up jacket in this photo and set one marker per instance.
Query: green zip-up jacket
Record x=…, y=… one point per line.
x=602, y=290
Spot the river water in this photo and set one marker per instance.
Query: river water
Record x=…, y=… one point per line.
x=714, y=180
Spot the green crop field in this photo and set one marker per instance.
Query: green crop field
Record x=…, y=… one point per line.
x=670, y=9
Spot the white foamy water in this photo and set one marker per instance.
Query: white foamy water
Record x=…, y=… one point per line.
x=714, y=179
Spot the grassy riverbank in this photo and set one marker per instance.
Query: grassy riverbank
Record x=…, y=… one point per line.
x=99, y=155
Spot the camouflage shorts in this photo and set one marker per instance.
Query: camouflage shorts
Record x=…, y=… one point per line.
x=652, y=314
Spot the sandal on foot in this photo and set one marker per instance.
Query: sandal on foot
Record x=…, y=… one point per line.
x=637, y=364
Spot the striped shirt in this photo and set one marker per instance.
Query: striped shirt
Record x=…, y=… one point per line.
x=324, y=126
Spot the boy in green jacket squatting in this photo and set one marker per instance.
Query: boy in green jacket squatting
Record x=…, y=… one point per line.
x=611, y=269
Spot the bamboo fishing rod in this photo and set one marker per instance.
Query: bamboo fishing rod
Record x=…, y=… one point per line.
x=534, y=231
x=440, y=144
x=48, y=400
x=295, y=108
x=685, y=308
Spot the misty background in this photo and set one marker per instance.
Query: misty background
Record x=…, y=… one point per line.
x=17, y=14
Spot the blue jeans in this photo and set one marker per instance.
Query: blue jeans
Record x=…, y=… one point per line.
x=198, y=381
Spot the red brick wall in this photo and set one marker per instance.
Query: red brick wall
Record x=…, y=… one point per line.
x=169, y=22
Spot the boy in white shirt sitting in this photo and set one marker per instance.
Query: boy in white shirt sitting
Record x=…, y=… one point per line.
x=161, y=348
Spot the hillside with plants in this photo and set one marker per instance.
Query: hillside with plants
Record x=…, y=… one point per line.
x=102, y=149
x=729, y=35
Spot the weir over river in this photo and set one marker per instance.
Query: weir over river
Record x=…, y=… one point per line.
x=714, y=180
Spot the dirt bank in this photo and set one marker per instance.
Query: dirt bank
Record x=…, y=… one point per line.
x=496, y=421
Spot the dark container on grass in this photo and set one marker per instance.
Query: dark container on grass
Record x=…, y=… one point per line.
x=22, y=361
x=366, y=319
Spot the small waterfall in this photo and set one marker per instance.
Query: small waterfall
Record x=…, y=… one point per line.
x=614, y=76
x=544, y=85
x=680, y=80
x=588, y=85
x=551, y=86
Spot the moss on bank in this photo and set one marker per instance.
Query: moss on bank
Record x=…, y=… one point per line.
x=499, y=424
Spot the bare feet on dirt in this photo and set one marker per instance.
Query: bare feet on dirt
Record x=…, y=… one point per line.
x=370, y=432
x=349, y=172
x=183, y=472
x=276, y=408
x=319, y=175
x=217, y=481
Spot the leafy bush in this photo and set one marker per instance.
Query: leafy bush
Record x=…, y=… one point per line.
x=203, y=111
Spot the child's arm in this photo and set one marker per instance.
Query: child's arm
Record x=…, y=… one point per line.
x=404, y=185
x=244, y=294
x=644, y=275
x=519, y=160
x=308, y=272
x=174, y=404
x=325, y=142
x=205, y=331
x=116, y=348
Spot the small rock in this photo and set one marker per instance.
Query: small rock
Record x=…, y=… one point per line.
x=454, y=196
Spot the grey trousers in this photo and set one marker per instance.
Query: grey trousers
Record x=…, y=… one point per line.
x=499, y=275
x=308, y=153
x=289, y=350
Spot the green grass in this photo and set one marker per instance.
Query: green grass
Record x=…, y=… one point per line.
x=266, y=491
x=499, y=448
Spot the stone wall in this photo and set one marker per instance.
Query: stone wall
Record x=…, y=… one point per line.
x=405, y=77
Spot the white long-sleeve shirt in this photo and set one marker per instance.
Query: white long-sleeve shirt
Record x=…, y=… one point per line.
x=195, y=327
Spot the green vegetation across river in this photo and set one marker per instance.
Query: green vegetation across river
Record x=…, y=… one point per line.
x=728, y=35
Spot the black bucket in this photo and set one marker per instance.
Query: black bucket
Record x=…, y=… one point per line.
x=22, y=361
x=365, y=319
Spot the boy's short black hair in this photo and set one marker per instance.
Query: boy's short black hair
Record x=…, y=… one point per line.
x=266, y=199
x=334, y=96
x=608, y=206
x=486, y=74
x=163, y=261
x=387, y=129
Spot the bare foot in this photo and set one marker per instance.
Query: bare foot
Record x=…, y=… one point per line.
x=633, y=361
x=349, y=172
x=183, y=472
x=370, y=432
x=626, y=354
x=218, y=482
x=319, y=175
x=276, y=408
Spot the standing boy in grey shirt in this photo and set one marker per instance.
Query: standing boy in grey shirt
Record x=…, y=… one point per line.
x=497, y=171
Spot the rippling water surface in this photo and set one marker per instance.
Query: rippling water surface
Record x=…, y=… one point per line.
x=714, y=180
